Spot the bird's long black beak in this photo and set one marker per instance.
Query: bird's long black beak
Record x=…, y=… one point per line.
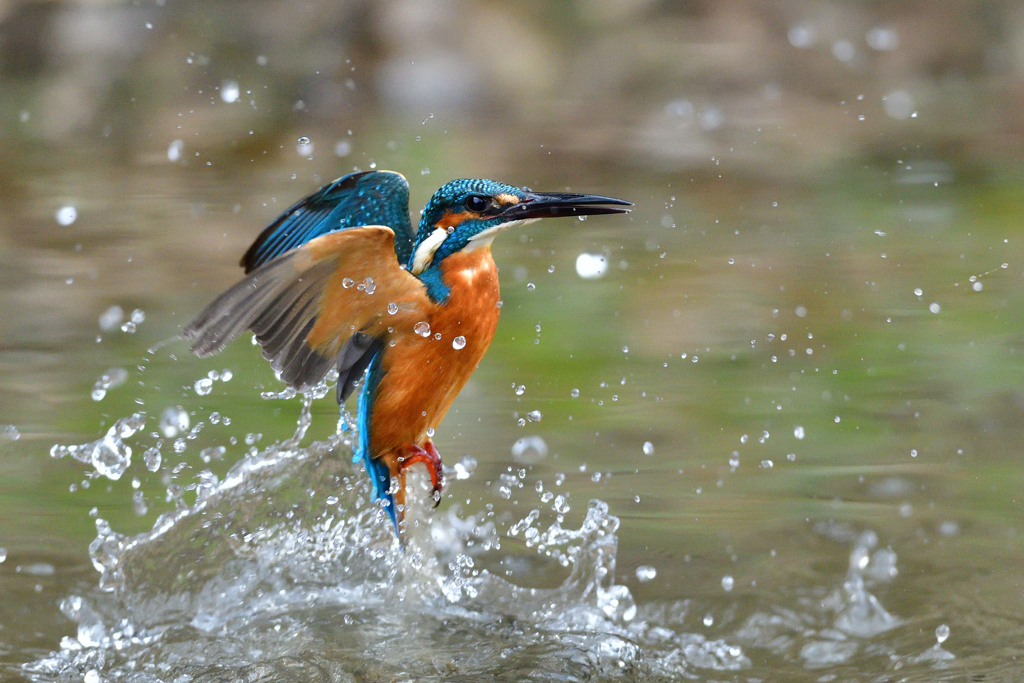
x=558, y=204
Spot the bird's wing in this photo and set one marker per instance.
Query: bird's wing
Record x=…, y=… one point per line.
x=329, y=301
x=358, y=199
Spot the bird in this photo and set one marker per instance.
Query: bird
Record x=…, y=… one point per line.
x=342, y=281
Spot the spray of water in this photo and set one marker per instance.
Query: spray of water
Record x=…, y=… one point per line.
x=286, y=569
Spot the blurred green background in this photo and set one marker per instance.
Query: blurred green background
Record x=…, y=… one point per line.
x=822, y=278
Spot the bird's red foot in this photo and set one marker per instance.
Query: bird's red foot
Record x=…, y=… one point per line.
x=431, y=459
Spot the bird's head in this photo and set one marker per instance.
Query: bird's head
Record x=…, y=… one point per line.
x=469, y=213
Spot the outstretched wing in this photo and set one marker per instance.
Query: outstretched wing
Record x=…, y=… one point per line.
x=358, y=199
x=328, y=302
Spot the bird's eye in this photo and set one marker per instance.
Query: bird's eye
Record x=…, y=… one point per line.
x=475, y=202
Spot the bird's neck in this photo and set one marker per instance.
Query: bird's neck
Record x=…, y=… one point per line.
x=465, y=271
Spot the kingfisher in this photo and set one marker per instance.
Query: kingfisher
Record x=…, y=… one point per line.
x=341, y=281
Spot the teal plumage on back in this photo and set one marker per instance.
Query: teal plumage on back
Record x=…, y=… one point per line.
x=357, y=199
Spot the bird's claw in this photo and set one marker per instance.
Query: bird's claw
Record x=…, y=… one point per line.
x=432, y=460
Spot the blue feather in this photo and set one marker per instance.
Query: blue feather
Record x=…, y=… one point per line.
x=365, y=198
x=378, y=471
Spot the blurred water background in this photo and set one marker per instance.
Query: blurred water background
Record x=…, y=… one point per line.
x=789, y=380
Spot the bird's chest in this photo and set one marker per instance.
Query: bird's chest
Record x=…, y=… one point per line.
x=426, y=366
x=462, y=326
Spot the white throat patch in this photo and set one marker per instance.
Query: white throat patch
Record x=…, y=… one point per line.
x=424, y=255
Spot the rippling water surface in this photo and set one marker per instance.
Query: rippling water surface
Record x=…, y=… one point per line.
x=285, y=571
x=767, y=427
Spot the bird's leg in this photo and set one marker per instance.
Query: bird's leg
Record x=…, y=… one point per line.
x=429, y=457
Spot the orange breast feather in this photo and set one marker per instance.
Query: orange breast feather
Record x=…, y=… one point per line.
x=423, y=375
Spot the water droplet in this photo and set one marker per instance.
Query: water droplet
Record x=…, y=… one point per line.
x=883, y=38
x=459, y=343
x=173, y=420
x=111, y=318
x=843, y=50
x=66, y=215
x=648, y=448
x=229, y=91
x=727, y=583
x=934, y=307
x=798, y=432
x=465, y=467
x=767, y=464
x=977, y=286
x=347, y=282
x=918, y=291
x=941, y=633
x=3, y=555
x=305, y=147
x=152, y=458
x=212, y=453
x=175, y=150
x=303, y=140
x=530, y=286
x=392, y=308
x=520, y=390
x=204, y=386
x=369, y=286
x=591, y=266
x=802, y=36
x=645, y=573
x=534, y=416
x=708, y=619
x=575, y=393
x=422, y=329
x=425, y=171
x=139, y=503
x=11, y=433
x=791, y=457
x=430, y=432
x=801, y=312
x=112, y=378
x=529, y=450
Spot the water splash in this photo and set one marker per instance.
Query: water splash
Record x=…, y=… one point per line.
x=111, y=456
x=844, y=620
x=288, y=568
